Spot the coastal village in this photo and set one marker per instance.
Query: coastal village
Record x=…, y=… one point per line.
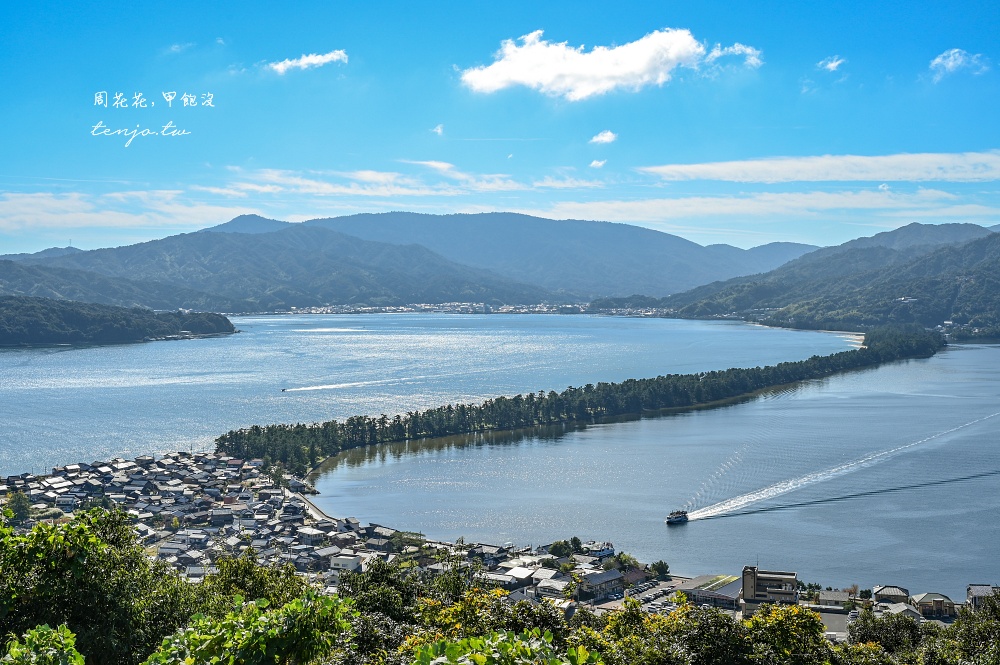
x=192, y=509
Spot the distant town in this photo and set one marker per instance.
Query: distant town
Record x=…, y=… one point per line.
x=192, y=509
x=441, y=308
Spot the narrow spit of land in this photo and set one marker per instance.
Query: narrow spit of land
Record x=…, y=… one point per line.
x=300, y=447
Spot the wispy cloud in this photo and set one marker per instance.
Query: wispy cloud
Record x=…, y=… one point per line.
x=560, y=70
x=129, y=209
x=752, y=57
x=439, y=129
x=956, y=59
x=179, y=47
x=598, y=163
x=607, y=136
x=480, y=182
x=831, y=64
x=548, y=182
x=921, y=167
x=769, y=205
x=308, y=61
x=357, y=183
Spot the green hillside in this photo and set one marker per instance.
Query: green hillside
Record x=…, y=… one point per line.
x=298, y=266
x=25, y=320
x=917, y=274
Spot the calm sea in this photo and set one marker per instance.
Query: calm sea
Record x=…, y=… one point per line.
x=880, y=476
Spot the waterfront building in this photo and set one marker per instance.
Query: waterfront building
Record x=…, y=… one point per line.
x=767, y=586
x=933, y=605
x=890, y=594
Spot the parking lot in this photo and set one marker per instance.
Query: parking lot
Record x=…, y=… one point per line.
x=652, y=594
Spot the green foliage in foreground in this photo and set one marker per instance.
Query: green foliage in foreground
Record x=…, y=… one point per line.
x=112, y=604
x=297, y=632
x=528, y=648
x=44, y=646
x=26, y=320
x=294, y=446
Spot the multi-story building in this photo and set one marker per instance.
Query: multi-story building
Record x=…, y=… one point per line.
x=767, y=586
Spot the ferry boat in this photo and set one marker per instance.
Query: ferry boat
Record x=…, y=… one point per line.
x=677, y=517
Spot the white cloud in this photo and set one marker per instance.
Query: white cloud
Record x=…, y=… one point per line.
x=220, y=41
x=607, y=136
x=598, y=163
x=444, y=168
x=957, y=59
x=751, y=56
x=439, y=130
x=231, y=192
x=371, y=183
x=308, y=61
x=560, y=70
x=360, y=183
x=884, y=187
x=920, y=167
x=380, y=177
x=831, y=64
x=179, y=48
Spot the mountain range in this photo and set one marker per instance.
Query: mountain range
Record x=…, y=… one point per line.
x=924, y=274
x=582, y=259
x=256, y=264
x=252, y=263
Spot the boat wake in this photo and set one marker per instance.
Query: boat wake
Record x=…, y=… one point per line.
x=856, y=495
x=740, y=503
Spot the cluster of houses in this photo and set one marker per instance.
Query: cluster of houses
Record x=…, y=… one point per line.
x=192, y=509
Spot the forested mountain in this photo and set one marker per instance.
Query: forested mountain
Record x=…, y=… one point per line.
x=579, y=258
x=25, y=320
x=23, y=278
x=863, y=283
x=959, y=284
x=299, y=266
x=829, y=269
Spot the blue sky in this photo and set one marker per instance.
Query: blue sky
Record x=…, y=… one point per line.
x=737, y=122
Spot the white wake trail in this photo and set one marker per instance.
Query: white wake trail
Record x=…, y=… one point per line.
x=786, y=486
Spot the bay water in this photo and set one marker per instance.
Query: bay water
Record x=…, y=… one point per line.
x=878, y=476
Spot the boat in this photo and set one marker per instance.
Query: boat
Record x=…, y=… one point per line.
x=677, y=517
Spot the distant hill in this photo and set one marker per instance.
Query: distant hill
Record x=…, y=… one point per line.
x=911, y=236
x=763, y=257
x=23, y=278
x=916, y=274
x=299, y=266
x=580, y=259
x=44, y=254
x=27, y=321
x=249, y=224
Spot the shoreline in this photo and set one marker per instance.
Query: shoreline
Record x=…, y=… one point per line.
x=86, y=345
